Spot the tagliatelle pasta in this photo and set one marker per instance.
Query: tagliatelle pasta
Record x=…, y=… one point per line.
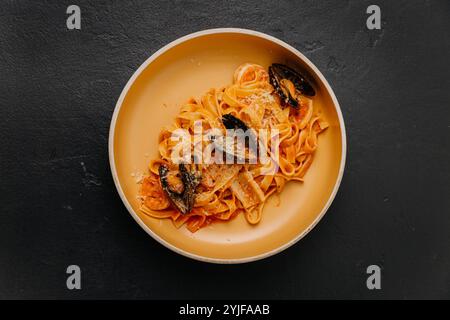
x=205, y=185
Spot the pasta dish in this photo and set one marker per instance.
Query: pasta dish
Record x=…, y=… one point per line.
x=226, y=153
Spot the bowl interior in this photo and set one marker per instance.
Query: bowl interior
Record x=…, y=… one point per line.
x=154, y=98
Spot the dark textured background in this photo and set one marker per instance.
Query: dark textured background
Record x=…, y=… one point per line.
x=59, y=206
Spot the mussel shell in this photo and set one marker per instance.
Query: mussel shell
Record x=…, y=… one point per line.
x=236, y=151
x=183, y=201
x=275, y=80
x=299, y=80
x=232, y=123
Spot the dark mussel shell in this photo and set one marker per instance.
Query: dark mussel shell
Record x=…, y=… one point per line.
x=183, y=201
x=231, y=122
x=299, y=80
x=275, y=80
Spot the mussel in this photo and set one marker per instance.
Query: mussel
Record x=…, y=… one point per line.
x=288, y=83
x=241, y=145
x=182, y=192
x=231, y=122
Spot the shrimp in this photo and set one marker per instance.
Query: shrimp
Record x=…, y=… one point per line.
x=152, y=193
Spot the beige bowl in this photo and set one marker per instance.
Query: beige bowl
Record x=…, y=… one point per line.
x=189, y=67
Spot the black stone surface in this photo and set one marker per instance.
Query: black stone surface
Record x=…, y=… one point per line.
x=59, y=206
